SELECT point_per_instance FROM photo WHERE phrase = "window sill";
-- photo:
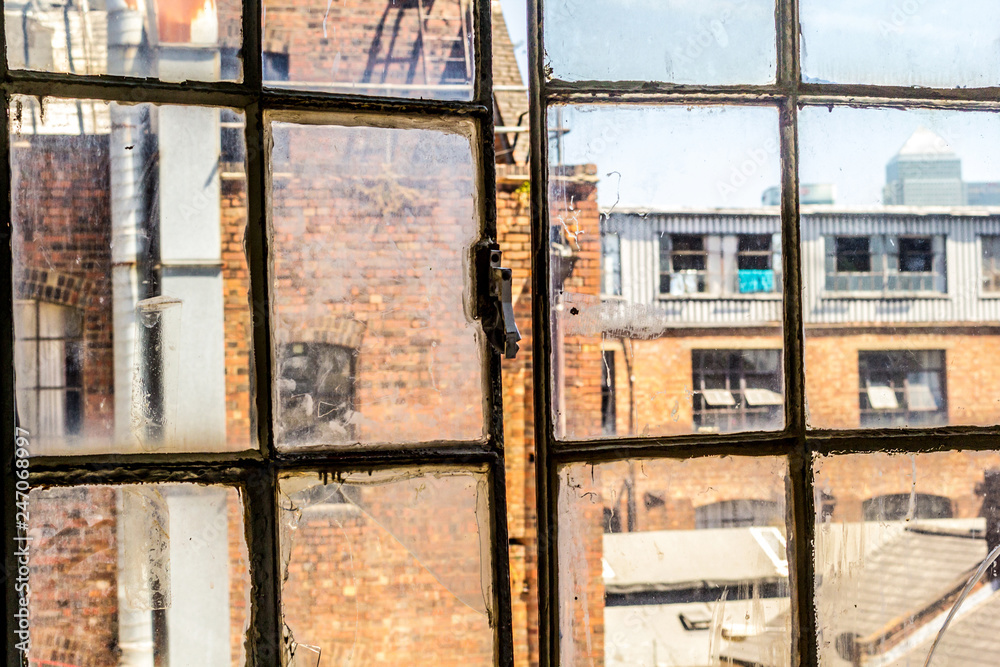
(886, 296)
(773, 296)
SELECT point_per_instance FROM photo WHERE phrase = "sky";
(679, 157)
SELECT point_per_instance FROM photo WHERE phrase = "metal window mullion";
(9, 600)
(546, 475)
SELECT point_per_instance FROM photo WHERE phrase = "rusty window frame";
(255, 473)
(795, 443)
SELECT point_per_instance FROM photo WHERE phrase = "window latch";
(496, 308)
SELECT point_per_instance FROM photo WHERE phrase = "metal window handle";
(498, 313)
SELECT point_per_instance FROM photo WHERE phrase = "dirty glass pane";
(674, 564)
(711, 42)
(897, 539)
(936, 43)
(418, 48)
(665, 248)
(170, 40)
(137, 575)
(372, 233)
(389, 568)
(132, 317)
(900, 267)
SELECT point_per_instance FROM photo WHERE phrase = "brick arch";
(54, 287)
(333, 330)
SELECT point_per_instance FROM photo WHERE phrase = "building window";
(719, 264)
(316, 389)
(853, 254)
(902, 388)
(608, 408)
(754, 264)
(905, 506)
(886, 263)
(739, 513)
(49, 366)
(737, 390)
(683, 264)
(991, 263)
(611, 266)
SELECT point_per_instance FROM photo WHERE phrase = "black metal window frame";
(796, 442)
(255, 473)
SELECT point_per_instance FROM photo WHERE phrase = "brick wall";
(62, 227)
(832, 371)
(74, 592)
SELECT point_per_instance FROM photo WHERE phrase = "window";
(853, 254)
(740, 513)
(736, 390)
(878, 334)
(720, 265)
(611, 267)
(256, 329)
(991, 263)
(884, 263)
(608, 407)
(902, 388)
(316, 389)
(906, 506)
(684, 261)
(49, 363)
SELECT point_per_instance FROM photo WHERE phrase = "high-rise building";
(925, 172)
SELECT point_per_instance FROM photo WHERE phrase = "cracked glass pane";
(936, 43)
(416, 48)
(131, 288)
(674, 564)
(170, 40)
(665, 256)
(387, 568)
(898, 539)
(372, 234)
(677, 41)
(138, 575)
(900, 267)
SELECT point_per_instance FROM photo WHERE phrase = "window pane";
(139, 575)
(710, 42)
(387, 568)
(692, 327)
(403, 49)
(171, 40)
(372, 236)
(899, 306)
(674, 563)
(935, 43)
(130, 278)
(898, 537)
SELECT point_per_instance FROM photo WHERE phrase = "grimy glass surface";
(387, 568)
(936, 43)
(155, 574)
(372, 233)
(131, 315)
(900, 304)
(170, 40)
(898, 537)
(677, 41)
(418, 48)
(673, 563)
(665, 255)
